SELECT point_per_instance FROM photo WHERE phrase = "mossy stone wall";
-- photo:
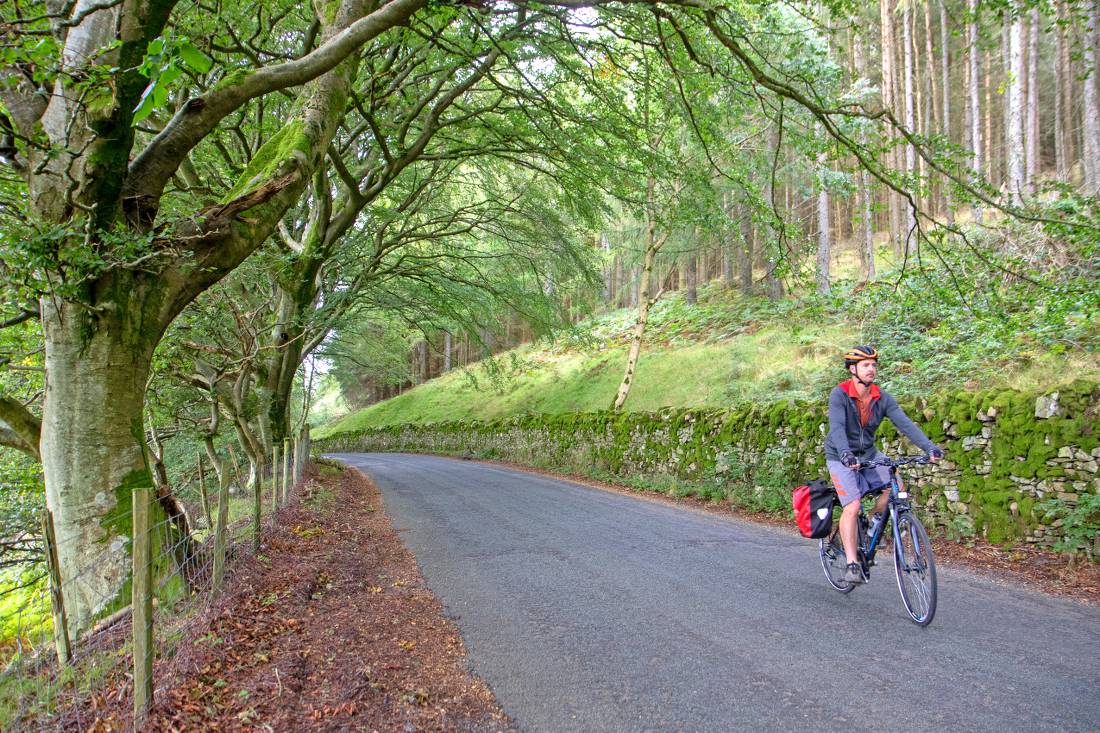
(1006, 451)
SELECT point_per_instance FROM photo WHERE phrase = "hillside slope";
(728, 348)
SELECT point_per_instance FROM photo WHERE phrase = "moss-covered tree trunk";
(294, 308)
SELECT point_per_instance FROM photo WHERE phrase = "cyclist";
(856, 409)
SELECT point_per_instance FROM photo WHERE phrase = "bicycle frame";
(897, 503)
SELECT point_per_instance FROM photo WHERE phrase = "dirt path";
(331, 629)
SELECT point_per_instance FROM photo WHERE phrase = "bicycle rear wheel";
(833, 561)
(915, 568)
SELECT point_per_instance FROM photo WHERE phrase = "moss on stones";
(1002, 458)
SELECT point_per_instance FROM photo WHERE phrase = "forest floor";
(329, 628)
(332, 628)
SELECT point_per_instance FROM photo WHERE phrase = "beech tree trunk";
(92, 445)
(100, 339)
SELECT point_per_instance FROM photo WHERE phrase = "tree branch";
(19, 428)
(23, 317)
(152, 169)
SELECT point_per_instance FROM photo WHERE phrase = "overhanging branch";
(152, 169)
(19, 428)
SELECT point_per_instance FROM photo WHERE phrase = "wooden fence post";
(142, 604)
(286, 471)
(257, 510)
(276, 461)
(297, 459)
(57, 600)
(219, 531)
(306, 446)
(203, 496)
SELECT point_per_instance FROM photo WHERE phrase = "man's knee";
(850, 510)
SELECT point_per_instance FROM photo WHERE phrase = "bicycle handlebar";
(896, 462)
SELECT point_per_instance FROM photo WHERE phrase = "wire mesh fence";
(82, 622)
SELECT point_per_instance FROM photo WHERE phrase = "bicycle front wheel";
(833, 561)
(916, 569)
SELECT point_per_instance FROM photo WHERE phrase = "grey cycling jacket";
(845, 432)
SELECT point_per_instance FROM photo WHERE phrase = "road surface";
(588, 610)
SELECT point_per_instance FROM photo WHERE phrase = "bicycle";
(913, 562)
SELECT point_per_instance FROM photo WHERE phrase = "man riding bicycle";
(856, 408)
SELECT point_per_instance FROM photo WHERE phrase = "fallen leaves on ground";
(306, 640)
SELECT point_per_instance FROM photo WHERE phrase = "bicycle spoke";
(834, 563)
(915, 570)
(922, 594)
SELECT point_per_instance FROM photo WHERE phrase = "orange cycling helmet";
(856, 354)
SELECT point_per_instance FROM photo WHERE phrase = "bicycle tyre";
(915, 568)
(833, 561)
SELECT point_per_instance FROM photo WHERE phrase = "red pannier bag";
(813, 508)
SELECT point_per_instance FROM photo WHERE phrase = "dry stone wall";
(1008, 454)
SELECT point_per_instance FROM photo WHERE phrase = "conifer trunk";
(975, 85)
(945, 88)
(1090, 104)
(824, 234)
(910, 122)
(1015, 182)
(1063, 95)
(1033, 163)
(889, 101)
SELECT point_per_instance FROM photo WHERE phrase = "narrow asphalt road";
(587, 610)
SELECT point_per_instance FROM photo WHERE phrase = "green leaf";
(167, 75)
(145, 105)
(193, 58)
